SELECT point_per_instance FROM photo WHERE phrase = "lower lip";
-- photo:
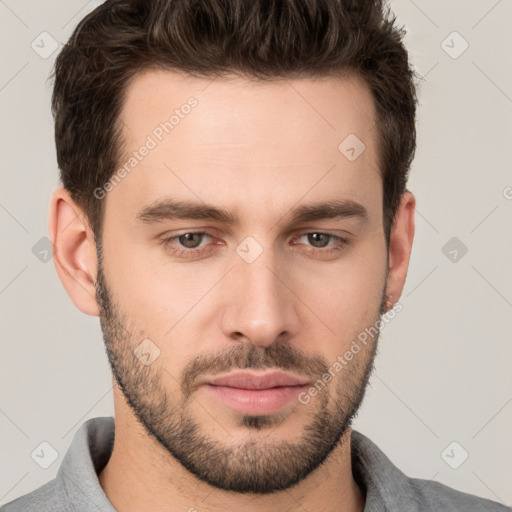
(256, 401)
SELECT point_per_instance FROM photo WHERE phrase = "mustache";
(280, 356)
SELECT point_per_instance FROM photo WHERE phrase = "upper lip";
(250, 380)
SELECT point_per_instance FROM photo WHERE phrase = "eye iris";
(190, 240)
(318, 239)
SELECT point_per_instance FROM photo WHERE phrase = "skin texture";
(258, 149)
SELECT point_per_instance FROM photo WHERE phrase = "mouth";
(252, 393)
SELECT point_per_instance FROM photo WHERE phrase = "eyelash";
(166, 242)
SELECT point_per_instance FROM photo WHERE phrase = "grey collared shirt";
(76, 487)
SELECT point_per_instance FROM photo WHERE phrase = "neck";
(141, 475)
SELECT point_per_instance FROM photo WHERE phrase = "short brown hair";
(261, 39)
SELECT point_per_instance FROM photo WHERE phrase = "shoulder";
(388, 488)
(76, 485)
(49, 497)
(440, 497)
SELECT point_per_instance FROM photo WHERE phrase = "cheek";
(165, 305)
(346, 294)
(148, 288)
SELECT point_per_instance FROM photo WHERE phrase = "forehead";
(267, 141)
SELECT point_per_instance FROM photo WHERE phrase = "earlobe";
(74, 251)
(400, 245)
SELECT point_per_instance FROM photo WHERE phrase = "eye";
(194, 244)
(321, 240)
(187, 244)
(318, 239)
(191, 240)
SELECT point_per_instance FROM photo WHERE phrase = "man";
(234, 209)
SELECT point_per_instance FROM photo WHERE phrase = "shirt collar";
(385, 486)
(86, 457)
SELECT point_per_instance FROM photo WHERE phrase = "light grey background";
(443, 369)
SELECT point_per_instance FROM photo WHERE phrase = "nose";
(258, 302)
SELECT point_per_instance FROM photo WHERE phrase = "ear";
(74, 251)
(400, 247)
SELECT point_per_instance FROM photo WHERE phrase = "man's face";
(265, 290)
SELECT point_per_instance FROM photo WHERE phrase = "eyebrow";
(169, 209)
